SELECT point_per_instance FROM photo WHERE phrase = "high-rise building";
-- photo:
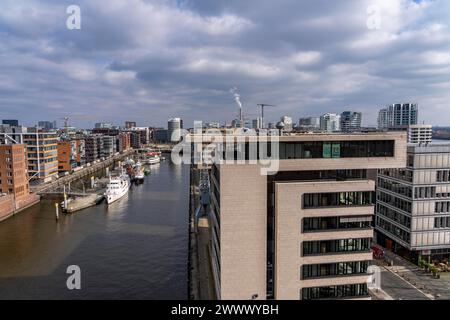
(130, 124)
(42, 154)
(12, 123)
(174, 127)
(257, 123)
(47, 125)
(288, 123)
(330, 122)
(350, 121)
(304, 232)
(384, 119)
(309, 123)
(413, 204)
(105, 125)
(398, 115)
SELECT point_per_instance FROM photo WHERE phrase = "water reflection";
(133, 248)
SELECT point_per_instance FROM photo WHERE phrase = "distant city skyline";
(149, 61)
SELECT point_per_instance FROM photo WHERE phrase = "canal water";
(135, 248)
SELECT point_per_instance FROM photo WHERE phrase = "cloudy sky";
(148, 60)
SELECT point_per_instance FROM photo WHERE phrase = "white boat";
(153, 157)
(117, 187)
(139, 174)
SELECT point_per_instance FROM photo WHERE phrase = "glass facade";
(336, 149)
(336, 223)
(337, 199)
(335, 292)
(310, 271)
(335, 246)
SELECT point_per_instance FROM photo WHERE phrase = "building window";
(334, 269)
(335, 292)
(335, 246)
(443, 175)
(337, 199)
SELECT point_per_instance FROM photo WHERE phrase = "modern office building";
(104, 125)
(288, 123)
(174, 127)
(330, 122)
(413, 204)
(42, 154)
(304, 232)
(47, 125)
(160, 135)
(130, 124)
(309, 123)
(384, 120)
(351, 121)
(420, 133)
(12, 123)
(398, 115)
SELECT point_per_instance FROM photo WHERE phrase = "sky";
(150, 60)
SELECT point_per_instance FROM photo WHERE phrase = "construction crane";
(262, 105)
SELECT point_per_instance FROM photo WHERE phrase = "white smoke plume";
(237, 96)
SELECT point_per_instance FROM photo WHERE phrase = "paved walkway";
(405, 280)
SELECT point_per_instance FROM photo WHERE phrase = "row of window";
(335, 292)
(393, 229)
(401, 174)
(394, 215)
(424, 192)
(334, 269)
(335, 246)
(395, 187)
(442, 222)
(336, 149)
(336, 223)
(336, 199)
(394, 201)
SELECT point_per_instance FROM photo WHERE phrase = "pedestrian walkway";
(419, 279)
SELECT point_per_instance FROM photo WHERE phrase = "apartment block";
(109, 146)
(91, 148)
(14, 187)
(304, 232)
(123, 142)
(41, 148)
(413, 204)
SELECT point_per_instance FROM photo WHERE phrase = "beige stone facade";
(240, 220)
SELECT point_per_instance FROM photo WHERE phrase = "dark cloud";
(151, 60)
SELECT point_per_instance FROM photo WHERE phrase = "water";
(136, 248)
